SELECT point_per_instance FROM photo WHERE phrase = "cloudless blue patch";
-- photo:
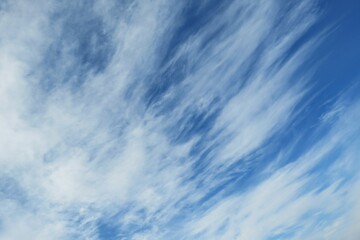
(11, 190)
(84, 47)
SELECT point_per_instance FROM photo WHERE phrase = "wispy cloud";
(300, 200)
(145, 120)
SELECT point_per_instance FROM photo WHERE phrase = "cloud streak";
(154, 120)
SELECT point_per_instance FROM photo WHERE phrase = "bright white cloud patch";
(173, 120)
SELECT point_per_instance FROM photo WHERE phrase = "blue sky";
(179, 120)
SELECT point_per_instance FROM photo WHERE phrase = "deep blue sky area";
(179, 120)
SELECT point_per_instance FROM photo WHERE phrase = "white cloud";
(291, 198)
(82, 152)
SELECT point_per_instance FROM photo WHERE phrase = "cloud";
(290, 203)
(130, 120)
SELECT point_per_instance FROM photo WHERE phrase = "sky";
(179, 120)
